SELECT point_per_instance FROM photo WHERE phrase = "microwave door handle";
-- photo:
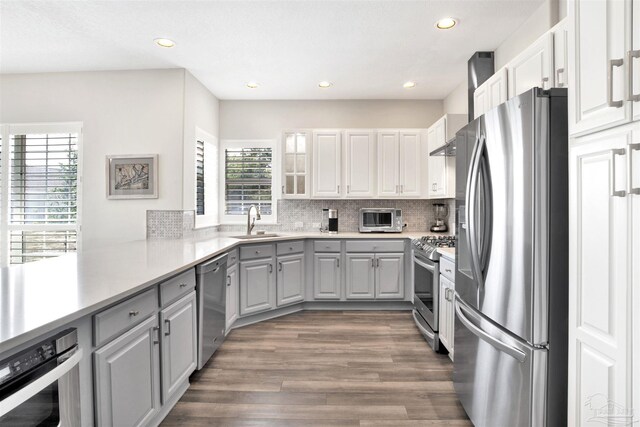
(27, 392)
(424, 265)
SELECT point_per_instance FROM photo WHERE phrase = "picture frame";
(132, 176)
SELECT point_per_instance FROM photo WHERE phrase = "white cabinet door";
(179, 344)
(437, 165)
(296, 183)
(389, 276)
(443, 313)
(480, 100)
(533, 67)
(633, 58)
(634, 185)
(360, 147)
(327, 280)
(290, 279)
(127, 377)
(410, 161)
(598, 44)
(561, 53)
(497, 89)
(388, 164)
(360, 276)
(256, 286)
(327, 163)
(599, 284)
(232, 295)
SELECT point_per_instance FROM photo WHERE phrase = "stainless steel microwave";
(380, 220)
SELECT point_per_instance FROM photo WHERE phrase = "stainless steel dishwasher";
(211, 288)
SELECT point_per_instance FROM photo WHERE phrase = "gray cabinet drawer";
(256, 251)
(290, 247)
(233, 257)
(447, 268)
(326, 246)
(177, 286)
(375, 246)
(112, 321)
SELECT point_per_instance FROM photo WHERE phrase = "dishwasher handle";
(212, 265)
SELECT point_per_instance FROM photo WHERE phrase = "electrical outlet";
(299, 225)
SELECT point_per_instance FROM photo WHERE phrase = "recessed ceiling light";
(165, 42)
(324, 84)
(252, 85)
(409, 85)
(446, 23)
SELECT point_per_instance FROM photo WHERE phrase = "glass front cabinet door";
(295, 176)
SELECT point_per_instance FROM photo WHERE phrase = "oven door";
(426, 275)
(50, 398)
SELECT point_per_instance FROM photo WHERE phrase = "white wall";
(267, 119)
(124, 112)
(457, 101)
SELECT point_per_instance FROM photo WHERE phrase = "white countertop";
(448, 253)
(38, 297)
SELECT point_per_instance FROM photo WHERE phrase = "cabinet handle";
(348, 188)
(228, 280)
(183, 285)
(290, 248)
(280, 266)
(612, 179)
(397, 189)
(134, 313)
(448, 270)
(257, 252)
(283, 190)
(632, 54)
(632, 189)
(338, 188)
(402, 188)
(156, 335)
(558, 80)
(373, 263)
(610, 101)
(270, 268)
(544, 81)
(338, 262)
(168, 323)
(377, 262)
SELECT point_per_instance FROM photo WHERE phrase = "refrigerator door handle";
(472, 184)
(517, 354)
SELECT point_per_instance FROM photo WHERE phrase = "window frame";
(211, 175)
(6, 130)
(275, 179)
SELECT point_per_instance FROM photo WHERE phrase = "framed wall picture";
(132, 176)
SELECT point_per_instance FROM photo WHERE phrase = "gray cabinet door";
(256, 286)
(179, 344)
(232, 295)
(327, 280)
(127, 377)
(290, 279)
(389, 276)
(360, 276)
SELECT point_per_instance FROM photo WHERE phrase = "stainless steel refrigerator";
(511, 302)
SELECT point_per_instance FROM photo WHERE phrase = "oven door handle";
(430, 334)
(25, 393)
(431, 268)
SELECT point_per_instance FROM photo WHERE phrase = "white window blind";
(200, 199)
(43, 205)
(248, 180)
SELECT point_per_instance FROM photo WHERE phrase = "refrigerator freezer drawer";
(500, 380)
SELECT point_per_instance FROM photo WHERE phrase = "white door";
(532, 68)
(389, 276)
(633, 58)
(634, 186)
(388, 164)
(599, 283)
(327, 163)
(360, 147)
(232, 295)
(410, 161)
(497, 89)
(561, 53)
(296, 164)
(598, 44)
(444, 313)
(480, 100)
(437, 165)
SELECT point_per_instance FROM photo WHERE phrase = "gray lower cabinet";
(232, 295)
(257, 291)
(178, 343)
(127, 377)
(327, 280)
(290, 279)
(360, 276)
(389, 276)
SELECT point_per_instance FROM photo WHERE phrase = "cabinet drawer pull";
(156, 335)
(632, 54)
(290, 248)
(257, 252)
(558, 80)
(228, 280)
(168, 323)
(338, 262)
(373, 263)
(544, 81)
(632, 189)
(448, 270)
(610, 101)
(134, 313)
(612, 179)
(270, 268)
(280, 266)
(183, 285)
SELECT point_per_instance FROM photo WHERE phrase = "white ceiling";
(368, 49)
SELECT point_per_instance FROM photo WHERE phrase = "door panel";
(327, 281)
(389, 277)
(410, 161)
(232, 295)
(533, 67)
(497, 89)
(290, 280)
(256, 293)
(360, 276)
(388, 164)
(361, 161)
(327, 164)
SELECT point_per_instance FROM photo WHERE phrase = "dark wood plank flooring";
(323, 368)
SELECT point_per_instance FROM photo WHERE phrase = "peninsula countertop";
(38, 297)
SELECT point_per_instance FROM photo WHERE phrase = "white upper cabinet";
(533, 67)
(360, 147)
(480, 100)
(491, 93)
(327, 163)
(599, 43)
(441, 169)
(388, 164)
(296, 164)
(633, 58)
(561, 53)
(410, 162)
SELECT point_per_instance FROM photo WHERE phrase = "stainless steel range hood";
(448, 149)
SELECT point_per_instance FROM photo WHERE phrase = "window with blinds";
(200, 178)
(43, 208)
(248, 180)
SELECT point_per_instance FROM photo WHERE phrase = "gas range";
(428, 245)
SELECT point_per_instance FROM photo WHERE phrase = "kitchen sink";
(255, 236)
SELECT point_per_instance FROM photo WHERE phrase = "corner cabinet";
(296, 164)
(327, 163)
